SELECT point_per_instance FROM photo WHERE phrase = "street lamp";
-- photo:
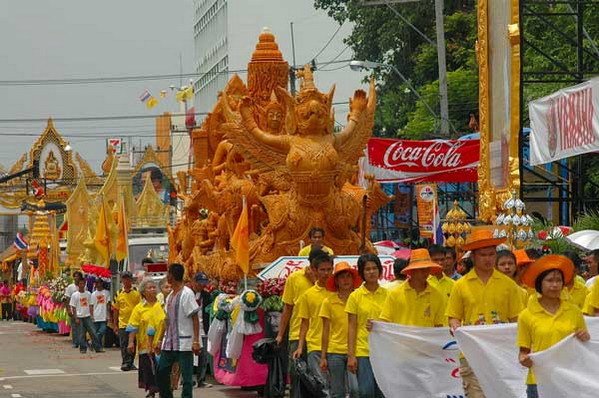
(358, 66)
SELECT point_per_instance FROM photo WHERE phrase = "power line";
(329, 41)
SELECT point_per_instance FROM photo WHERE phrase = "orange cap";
(481, 237)
(343, 266)
(419, 259)
(522, 258)
(548, 262)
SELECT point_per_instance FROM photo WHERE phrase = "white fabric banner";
(415, 362)
(565, 123)
(423, 362)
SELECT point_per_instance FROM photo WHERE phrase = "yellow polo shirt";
(333, 309)
(365, 305)
(125, 302)
(295, 285)
(538, 329)
(305, 251)
(309, 308)
(444, 285)
(148, 322)
(577, 294)
(405, 306)
(476, 303)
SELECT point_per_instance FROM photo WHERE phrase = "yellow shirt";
(538, 329)
(295, 285)
(475, 303)
(305, 251)
(146, 318)
(333, 309)
(407, 307)
(365, 305)
(309, 308)
(125, 302)
(577, 294)
(444, 285)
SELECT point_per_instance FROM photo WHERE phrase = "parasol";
(587, 239)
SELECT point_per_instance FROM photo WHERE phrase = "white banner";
(565, 123)
(415, 362)
(423, 362)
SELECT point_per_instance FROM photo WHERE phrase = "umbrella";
(587, 239)
(402, 253)
(385, 247)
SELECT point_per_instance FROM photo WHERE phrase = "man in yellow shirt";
(295, 285)
(308, 311)
(482, 296)
(316, 236)
(438, 278)
(416, 302)
(127, 298)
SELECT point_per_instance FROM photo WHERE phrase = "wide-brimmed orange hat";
(419, 259)
(522, 258)
(343, 266)
(480, 238)
(548, 262)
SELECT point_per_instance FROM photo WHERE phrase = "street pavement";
(35, 364)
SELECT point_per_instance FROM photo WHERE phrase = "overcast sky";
(79, 39)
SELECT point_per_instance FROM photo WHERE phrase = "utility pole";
(444, 104)
(292, 68)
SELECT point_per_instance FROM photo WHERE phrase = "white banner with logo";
(565, 123)
(423, 362)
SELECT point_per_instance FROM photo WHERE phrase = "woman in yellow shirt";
(547, 319)
(333, 357)
(364, 305)
(512, 264)
(146, 321)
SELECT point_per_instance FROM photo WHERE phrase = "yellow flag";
(102, 237)
(151, 102)
(184, 95)
(121, 243)
(240, 241)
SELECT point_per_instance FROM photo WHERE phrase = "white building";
(226, 32)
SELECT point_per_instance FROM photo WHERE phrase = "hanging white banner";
(415, 362)
(565, 123)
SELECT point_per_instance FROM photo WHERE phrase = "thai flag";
(20, 243)
(145, 96)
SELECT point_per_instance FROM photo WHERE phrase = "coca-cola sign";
(423, 161)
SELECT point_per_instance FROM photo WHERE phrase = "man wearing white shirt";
(99, 300)
(81, 306)
(592, 262)
(181, 337)
(68, 292)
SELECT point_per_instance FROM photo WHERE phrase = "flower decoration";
(271, 287)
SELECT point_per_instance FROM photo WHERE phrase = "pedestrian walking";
(68, 292)
(126, 299)
(81, 306)
(548, 318)
(363, 306)
(99, 300)
(145, 324)
(6, 300)
(181, 338)
(483, 296)
(204, 300)
(333, 358)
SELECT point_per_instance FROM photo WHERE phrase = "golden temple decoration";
(151, 157)
(279, 152)
(107, 164)
(51, 167)
(151, 212)
(87, 172)
(455, 228)
(491, 196)
(78, 209)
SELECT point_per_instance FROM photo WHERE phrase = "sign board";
(426, 201)
(118, 144)
(284, 266)
(565, 123)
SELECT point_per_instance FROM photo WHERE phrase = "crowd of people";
(329, 311)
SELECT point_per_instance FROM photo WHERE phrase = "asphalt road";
(35, 364)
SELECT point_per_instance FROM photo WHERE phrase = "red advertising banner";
(423, 161)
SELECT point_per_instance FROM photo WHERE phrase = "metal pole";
(292, 68)
(443, 102)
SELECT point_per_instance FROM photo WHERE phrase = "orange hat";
(522, 258)
(420, 259)
(548, 262)
(480, 238)
(343, 266)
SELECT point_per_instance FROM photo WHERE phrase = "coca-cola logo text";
(437, 154)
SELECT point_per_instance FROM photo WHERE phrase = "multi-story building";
(226, 32)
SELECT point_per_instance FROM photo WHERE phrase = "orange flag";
(240, 241)
(102, 236)
(121, 242)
